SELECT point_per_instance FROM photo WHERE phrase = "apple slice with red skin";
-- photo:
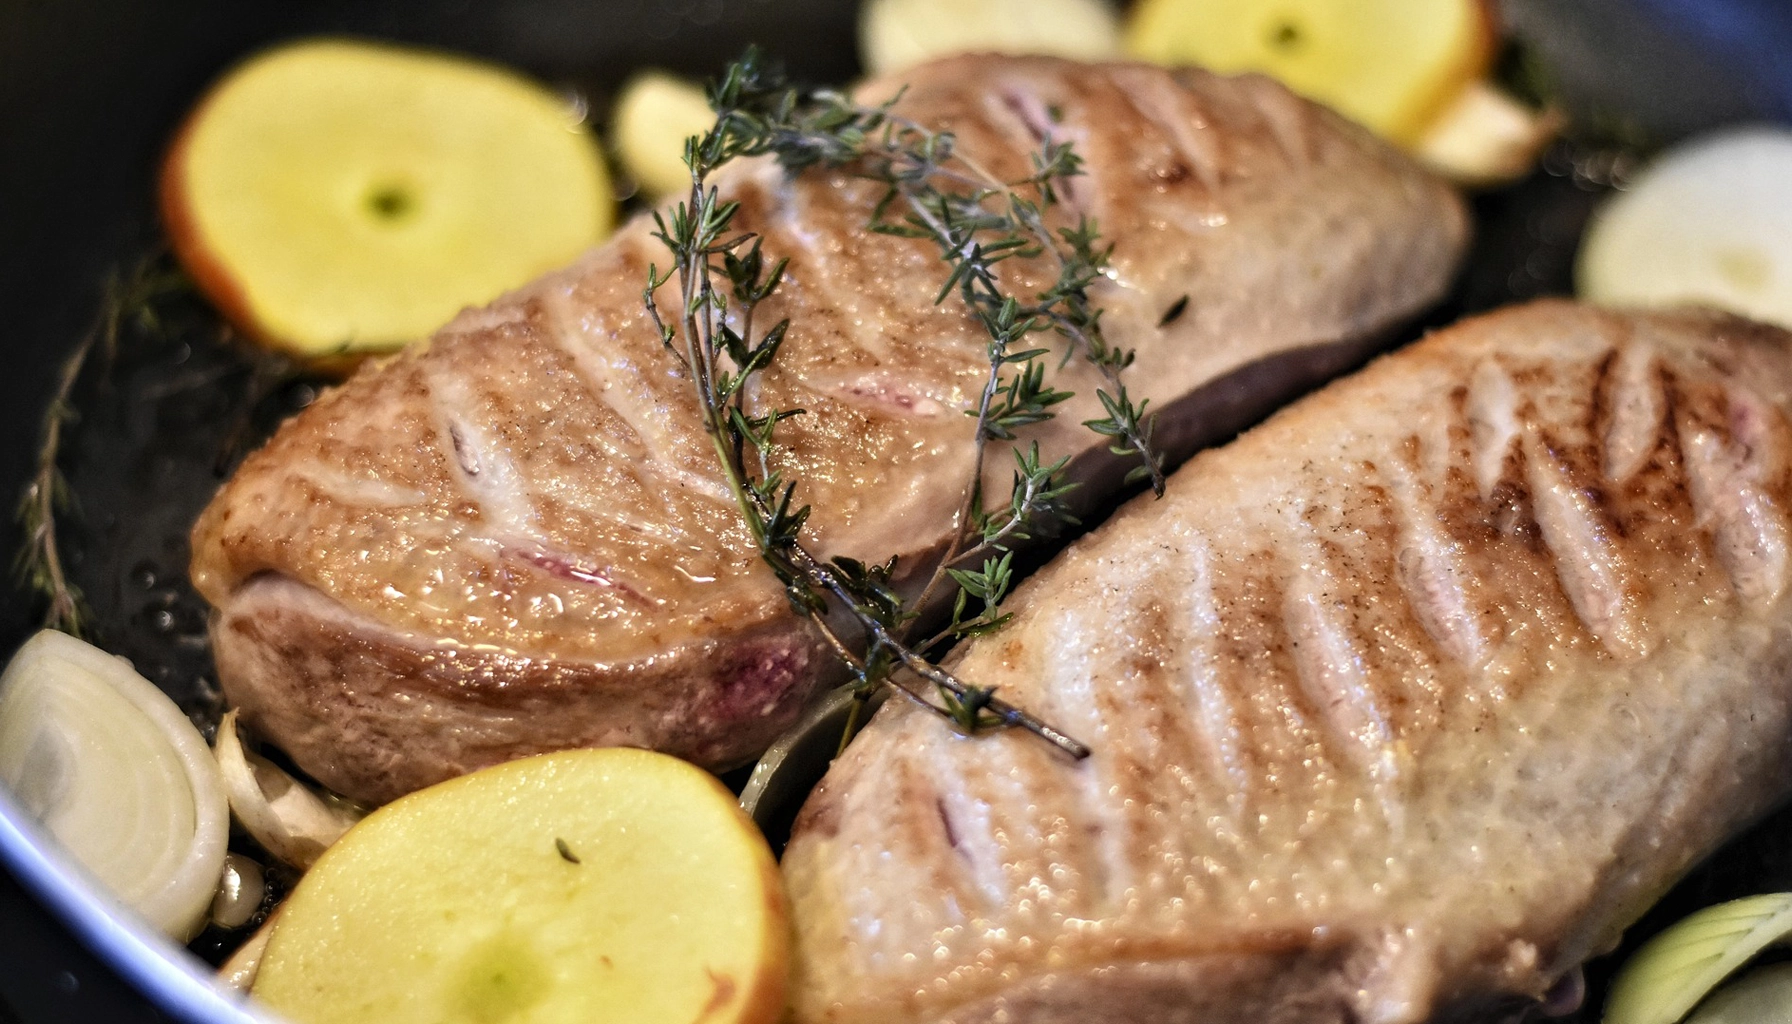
(335, 197)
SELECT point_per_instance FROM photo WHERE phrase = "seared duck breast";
(1407, 701)
(512, 538)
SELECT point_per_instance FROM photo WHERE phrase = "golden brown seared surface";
(1415, 695)
(512, 539)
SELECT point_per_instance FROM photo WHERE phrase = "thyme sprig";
(40, 564)
(977, 222)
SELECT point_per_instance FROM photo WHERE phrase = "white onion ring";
(292, 823)
(113, 769)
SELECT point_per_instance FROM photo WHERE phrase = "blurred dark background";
(90, 91)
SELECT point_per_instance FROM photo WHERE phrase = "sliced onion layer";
(291, 822)
(238, 973)
(1763, 996)
(1674, 970)
(113, 769)
(1710, 221)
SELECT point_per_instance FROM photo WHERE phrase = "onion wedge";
(1763, 996)
(238, 973)
(1710, 221)
(1674, 970)
(113, 769)
(291, 822)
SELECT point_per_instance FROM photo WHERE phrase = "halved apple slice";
(588, 885)
(1392, 65)
(334, 196)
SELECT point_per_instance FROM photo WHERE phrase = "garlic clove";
(1484, 137)
(240, 893)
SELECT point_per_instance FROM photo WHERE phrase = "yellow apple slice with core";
(655, 114)
(335, 196)
(1392, 65)
(612, 885)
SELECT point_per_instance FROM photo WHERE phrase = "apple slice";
(1709, 221)
(655, 113)
(1392, 65)
(587, 885)
(336, 197)
(897, 34)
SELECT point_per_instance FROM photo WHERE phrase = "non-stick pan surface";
(91, 89)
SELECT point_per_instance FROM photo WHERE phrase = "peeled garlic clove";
(1675, 970)
(1762, 996)
(291, 822)
(112, 768)
(1484, 137)
(240, 892)
(797, 760)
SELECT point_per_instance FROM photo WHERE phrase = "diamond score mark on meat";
(511, 538)
(1403, 705)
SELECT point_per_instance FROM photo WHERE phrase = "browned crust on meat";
(367, 693)
(1295, 986)
(1451, 668)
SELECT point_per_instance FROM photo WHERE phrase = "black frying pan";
(90, 91)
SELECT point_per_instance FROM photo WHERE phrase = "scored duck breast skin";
(1407, 701)
(513, 538)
